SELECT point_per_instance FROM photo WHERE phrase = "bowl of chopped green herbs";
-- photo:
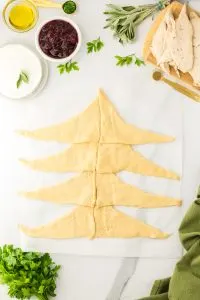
(69, 7)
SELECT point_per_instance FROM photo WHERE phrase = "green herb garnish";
(123, 20)
(23, 77)
(27, 274)
(128, 60)
(95, 45)
(68, 67)
(69, 7)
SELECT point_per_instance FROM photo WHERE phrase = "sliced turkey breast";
(181, 43)
(160, 44)
(195, 72)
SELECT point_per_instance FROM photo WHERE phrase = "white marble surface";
(85, 278)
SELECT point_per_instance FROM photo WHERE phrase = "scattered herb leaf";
(23, 77)
(128, 60)
(124, 20)
(68, 67)
(61, 68)
(138, 62)
(95, 45)
(19, 81)
(27, 274)
(69, 7)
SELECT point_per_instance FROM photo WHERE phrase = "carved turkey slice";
(181, 43)
(195, 72)
(160, 44)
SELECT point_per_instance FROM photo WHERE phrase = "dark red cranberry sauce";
(58, 39)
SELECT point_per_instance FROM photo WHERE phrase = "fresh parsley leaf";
(71, 66)
(95, 45)
(61, 68)
(139, 62)
(75, 66)
(19, 81)
(128, 60)
(23, 77)
(121, 61)
(27, 274)
(90, 47)
(68, 67)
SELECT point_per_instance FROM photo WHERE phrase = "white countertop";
(86, 278)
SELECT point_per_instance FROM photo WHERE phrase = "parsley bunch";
(27, 274)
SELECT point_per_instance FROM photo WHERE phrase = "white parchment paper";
(137, 98)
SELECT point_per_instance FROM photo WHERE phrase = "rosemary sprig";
(128, 60)
(23, 77)
(68, 67)
(123, 20)
(95, 45)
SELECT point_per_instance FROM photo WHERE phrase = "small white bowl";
(58, 60)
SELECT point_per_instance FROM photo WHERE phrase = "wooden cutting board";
(148, 57)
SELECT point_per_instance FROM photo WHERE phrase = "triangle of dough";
(100, 118)
(78, 158)
(115, 130)
(110, 190)
(75, 130)
(67, 191)
(114, 224)
(79, 223)
(114, 158)
(99, 222)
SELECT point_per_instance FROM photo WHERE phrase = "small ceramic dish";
(15, 58)
(8, 8)
(58, 39)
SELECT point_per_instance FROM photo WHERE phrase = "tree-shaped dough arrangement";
(101, 147)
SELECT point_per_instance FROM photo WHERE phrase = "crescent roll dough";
(101, 147)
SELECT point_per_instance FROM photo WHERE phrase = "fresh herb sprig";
(128, 60)
(124, 20)
(27, 274)
(95, 45)
(68, 67)
(23, 77)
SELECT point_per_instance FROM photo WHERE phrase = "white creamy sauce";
(14, 59)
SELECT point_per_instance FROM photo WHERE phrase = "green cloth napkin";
(185, 281)
(160, 290)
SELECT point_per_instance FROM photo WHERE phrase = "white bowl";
(13, 59)
(58, 60)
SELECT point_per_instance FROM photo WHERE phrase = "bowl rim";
(9, 25)
(61, 60)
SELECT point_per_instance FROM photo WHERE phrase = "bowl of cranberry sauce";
(58, 40)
